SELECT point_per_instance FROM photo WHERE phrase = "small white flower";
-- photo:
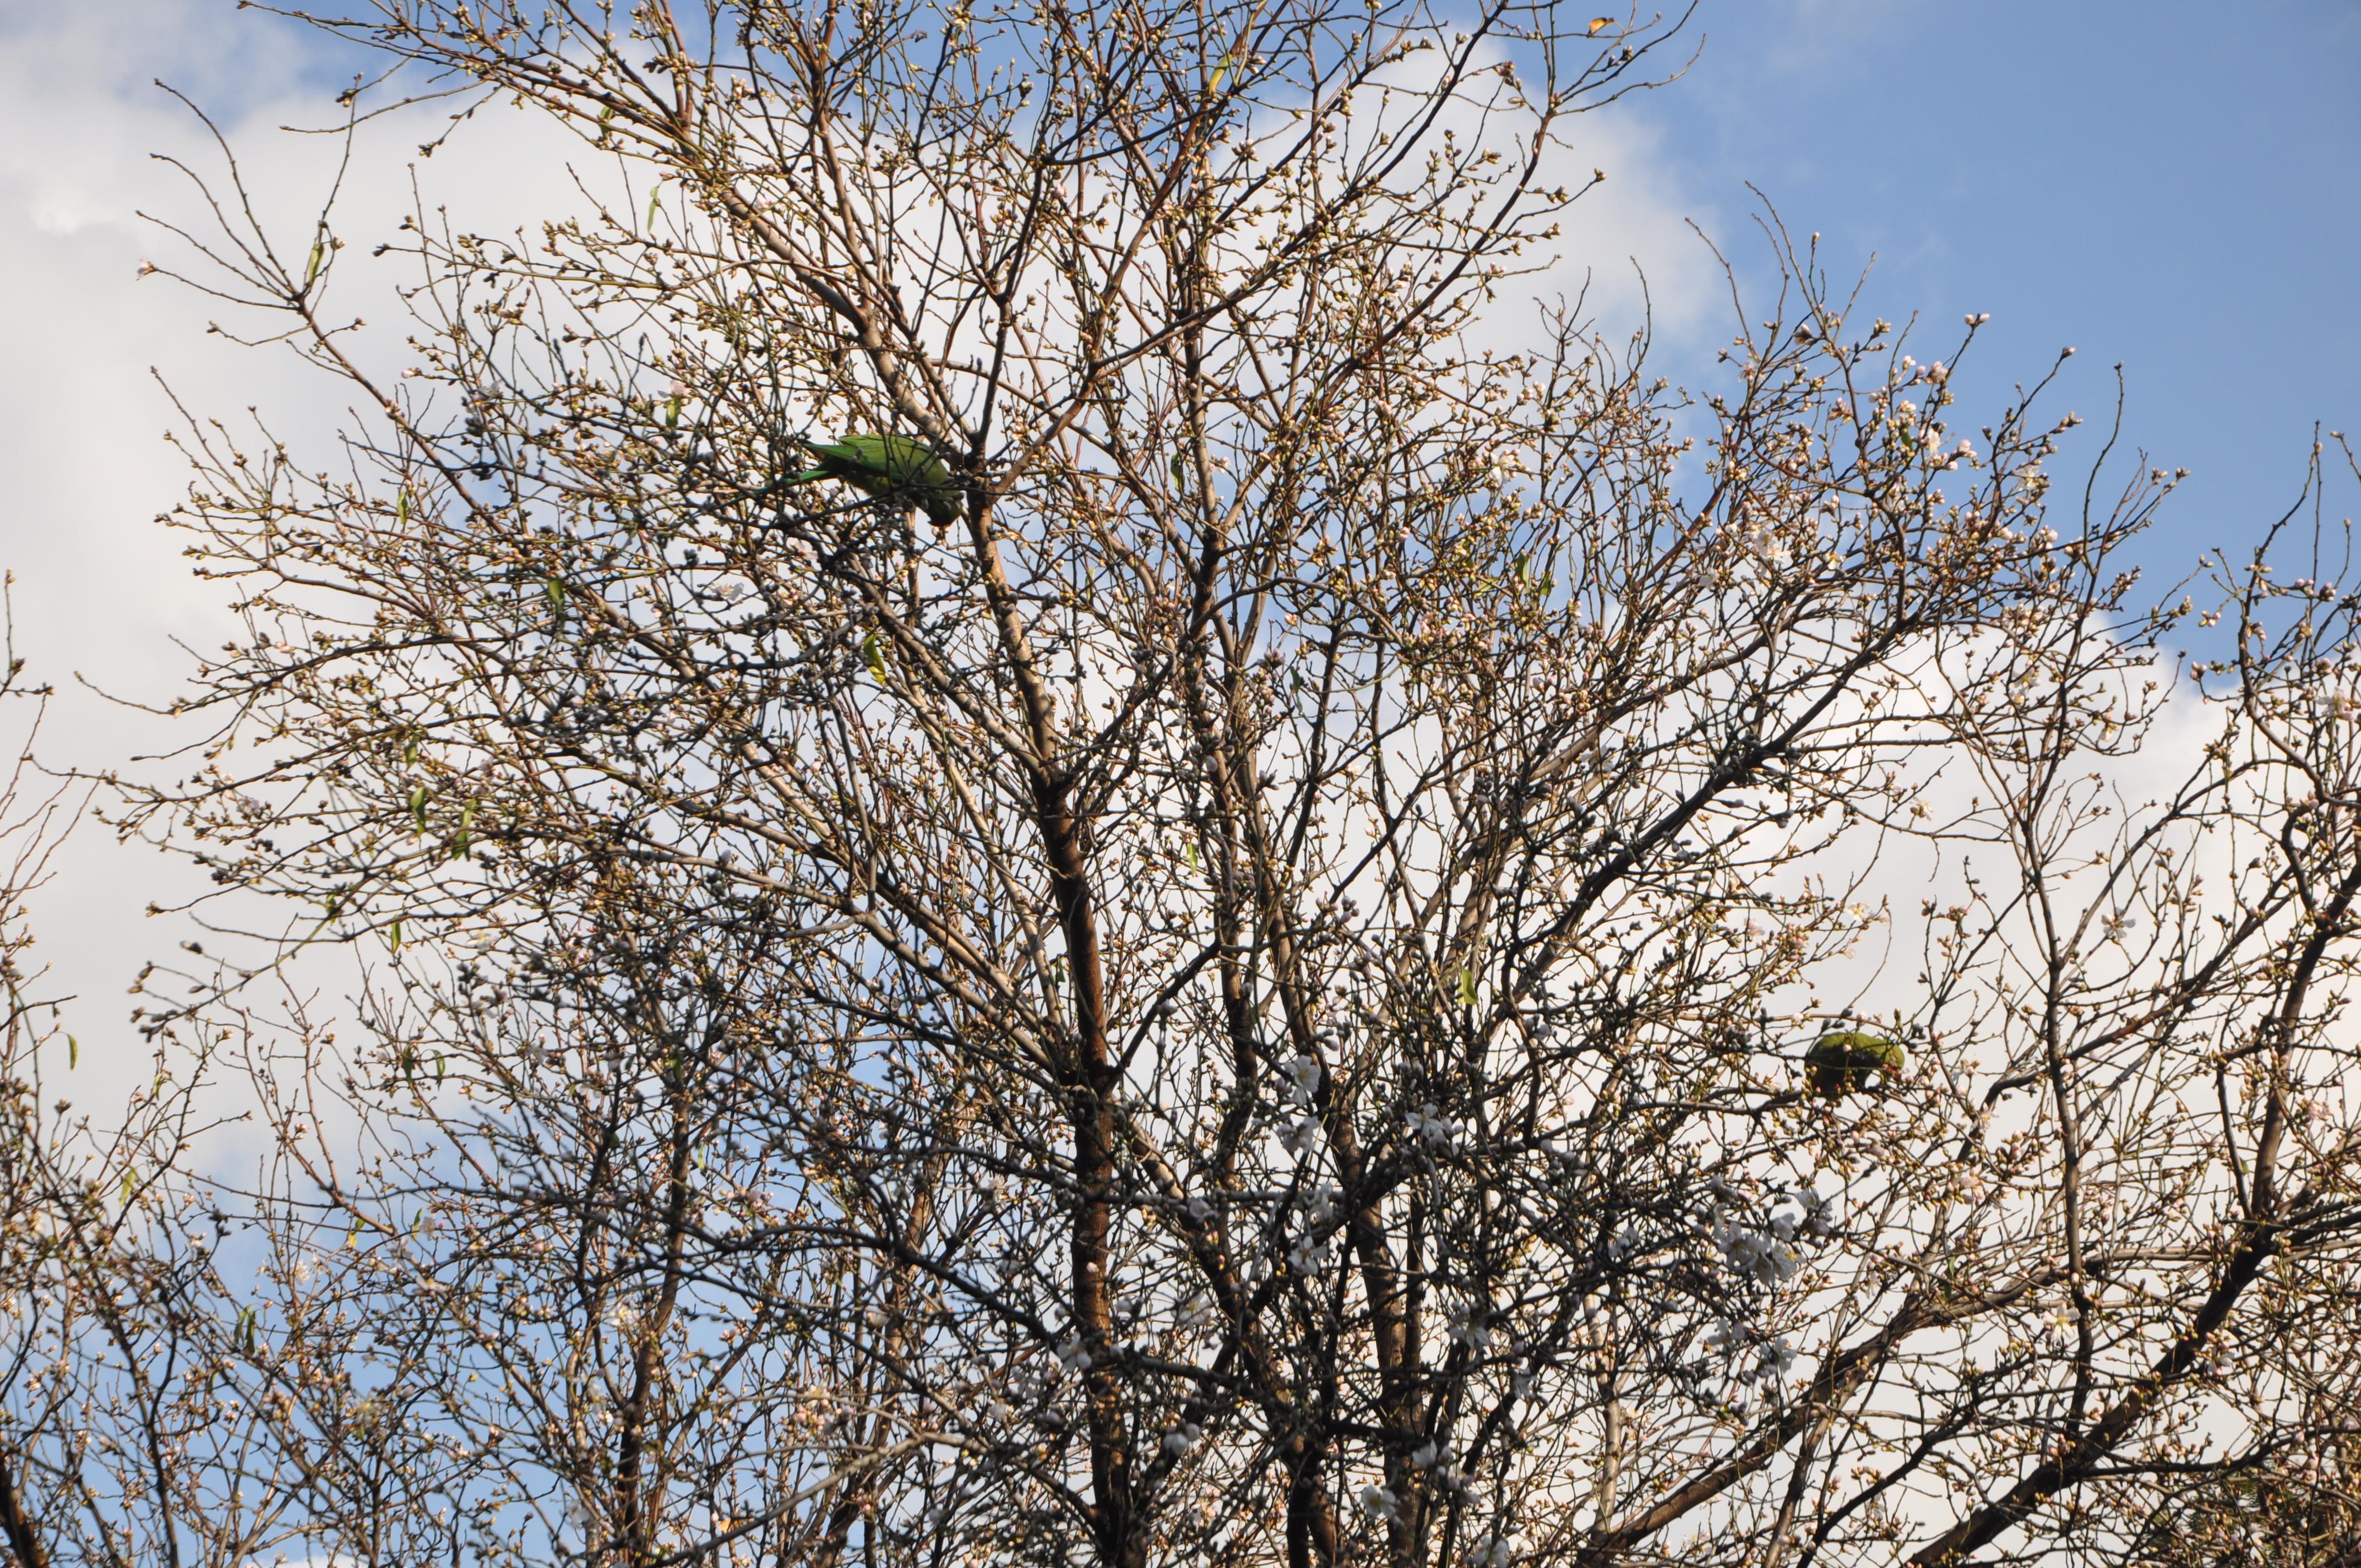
(1300, 1137)
(1073, 1357)
(1181, 1438)
(1377, 1503)
(1307, 1257)
(1467, 1328)
(1196, 1311)
(1498, 1553)
(1428, 1126)
(575, 1527)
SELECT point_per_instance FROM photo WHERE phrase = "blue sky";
(2169, 185)
(2166, 184)
(2173, 186)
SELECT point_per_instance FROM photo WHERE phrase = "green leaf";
(402, 507)
(393, 938)
(73, 1053)
(655, 192)
(555, 592)
(1179, 472)
(130, 1186)
(312, 272)
(418, 808)
(1189, 848)
(1467, 986)
(872, 654)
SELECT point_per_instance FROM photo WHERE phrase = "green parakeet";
(1846, 1059)
(891, 467)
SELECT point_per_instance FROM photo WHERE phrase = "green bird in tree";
(891, 468)
(1846, 1059)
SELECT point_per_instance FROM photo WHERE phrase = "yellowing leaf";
(1600, 23)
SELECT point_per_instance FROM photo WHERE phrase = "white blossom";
(1467, 1328)
(1310, 1258)
(1429, 1126)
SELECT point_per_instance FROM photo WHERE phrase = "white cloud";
(105, 600)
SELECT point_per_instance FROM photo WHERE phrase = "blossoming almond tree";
(1203, 951)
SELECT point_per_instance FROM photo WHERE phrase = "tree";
(1241, 995)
